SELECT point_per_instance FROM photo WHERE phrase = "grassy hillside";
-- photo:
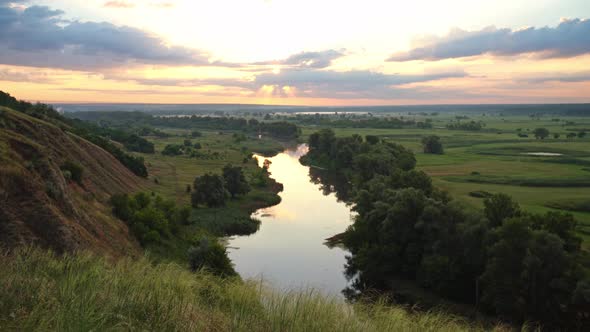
(82, 292)
(54, 188)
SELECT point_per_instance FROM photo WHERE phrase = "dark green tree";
(504, 289)
(210, 190)
(541, 133)
(235, 181)
(500, 207)
(371, 139)
(432, 144)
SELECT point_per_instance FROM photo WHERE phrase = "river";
(288, 252)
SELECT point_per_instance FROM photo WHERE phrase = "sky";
(304, 52)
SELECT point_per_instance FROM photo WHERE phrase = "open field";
(174, 173)
(495, 160)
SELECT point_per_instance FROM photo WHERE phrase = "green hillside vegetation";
(81, 292)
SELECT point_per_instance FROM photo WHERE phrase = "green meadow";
(172, 177)
(495, 159)
(171, 174)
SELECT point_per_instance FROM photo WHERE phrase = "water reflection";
(288, 251)
(331, 183)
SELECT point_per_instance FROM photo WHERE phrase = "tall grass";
(42, 292)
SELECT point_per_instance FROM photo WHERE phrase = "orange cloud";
(119, 4)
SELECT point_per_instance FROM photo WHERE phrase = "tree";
(556, 135)
(372, 139)
(541, 133)
(528, 274)
(188, 142)
(196, 134)
(235, 180)
(173, 150)
(503, 286)
(432, 144)
(500, 207)
(209, 189)
(571, 135)
(582, 134)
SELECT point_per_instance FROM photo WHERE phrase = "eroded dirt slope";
(40, 205)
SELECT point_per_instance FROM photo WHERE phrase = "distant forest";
(278, 129)
(200, 109)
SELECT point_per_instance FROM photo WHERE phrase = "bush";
(173, 150)
(480, 194)
(210, 255)
(150, 217)
(75, 171)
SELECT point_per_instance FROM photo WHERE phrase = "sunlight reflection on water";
(288, 251)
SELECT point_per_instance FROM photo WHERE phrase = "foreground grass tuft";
(42, 292)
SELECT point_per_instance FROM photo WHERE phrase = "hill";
(55, 186)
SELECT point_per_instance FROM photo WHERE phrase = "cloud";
(583, 76)
(308, 82)
(162, 5)
(570, 38)
(39, 37)
(9, 75)
(348, 84)
(119, 4)
(321, 59)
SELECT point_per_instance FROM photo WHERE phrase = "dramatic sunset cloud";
(296, 52)
(570, 38)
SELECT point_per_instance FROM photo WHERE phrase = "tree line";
(372, 122)
(505, 261)
(278, 129)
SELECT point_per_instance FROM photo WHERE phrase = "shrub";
(75, 170)
(210, 255)
(173, 150)
(480, 194)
